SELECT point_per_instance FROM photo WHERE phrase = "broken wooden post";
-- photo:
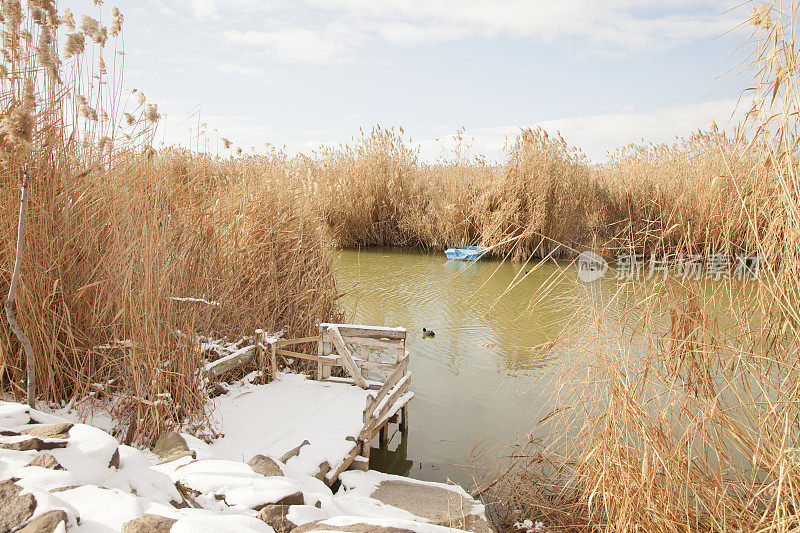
(259, 354)
(273, 358)
(345, 357)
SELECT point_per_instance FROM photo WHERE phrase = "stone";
(54, 431)
(33, 443)
(265, 466)
(292, 499)
(45, 460)
(275, 516)
(114, 461)
(439, 505)
(324, 468)
(62, 489)
(171, 446)
(148, 523)
(216, 389)
(15, 509)
(351, 528)
(46, 523)
(293, 452)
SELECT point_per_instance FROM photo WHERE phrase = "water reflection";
(477, 379)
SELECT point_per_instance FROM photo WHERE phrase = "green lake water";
(477, 384)
(480, 383)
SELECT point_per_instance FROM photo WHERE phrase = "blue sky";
(310, 72)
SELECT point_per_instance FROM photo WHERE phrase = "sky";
(304, 73)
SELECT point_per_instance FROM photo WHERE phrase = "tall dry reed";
(679, 408)
(115, 231)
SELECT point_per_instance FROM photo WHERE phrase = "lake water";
(478, 385)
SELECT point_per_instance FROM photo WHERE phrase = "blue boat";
(466, 253)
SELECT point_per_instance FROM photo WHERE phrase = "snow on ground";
(273, 419)
(101, 484)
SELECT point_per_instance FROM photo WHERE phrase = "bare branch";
(30, 361)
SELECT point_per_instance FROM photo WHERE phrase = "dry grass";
(114, 231)
(681, 409)
(545, 200)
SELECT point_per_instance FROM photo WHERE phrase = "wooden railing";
(332, 351)
(334, 344)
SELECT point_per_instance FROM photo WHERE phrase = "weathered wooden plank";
(345, 358)
(288, 342)
(388, 385)
(370, 332)
(373, 343)
(399, 405)
(371, 385)
(376, 365)
(229, 362)
(388, 406)
(327, 360)
(332, 476)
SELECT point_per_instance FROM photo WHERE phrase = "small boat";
(466, 253)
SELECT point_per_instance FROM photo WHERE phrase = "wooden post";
(273, 359)
(320, 365)
(259, 355)
(404, 419)
(382, 438)
(365, 357)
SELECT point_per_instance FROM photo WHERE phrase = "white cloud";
(203, 8)
(297, 45)
(608, 23)
(240, 70)
(598, 134)
(320, 31)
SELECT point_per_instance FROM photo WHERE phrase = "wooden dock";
(350, 354)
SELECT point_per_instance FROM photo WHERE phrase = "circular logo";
(591, 266)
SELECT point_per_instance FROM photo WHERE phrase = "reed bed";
(679, 407)
(116, 231)
(545, 200)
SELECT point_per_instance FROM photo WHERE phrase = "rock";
(275, 516)
(54, 431)
(148, 523)
(265, 466)
(362, 527)
(292, 499)
(216, 389)
(439, 505)
(46, 523)
(45, 460)
(15, 509)
(33, 443)
(8, 433)
(478, 524)
(62, 489)
(293, 452)
(171, 446)
(114, 462)
(324, 468)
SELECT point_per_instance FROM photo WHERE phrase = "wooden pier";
(348, 354)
